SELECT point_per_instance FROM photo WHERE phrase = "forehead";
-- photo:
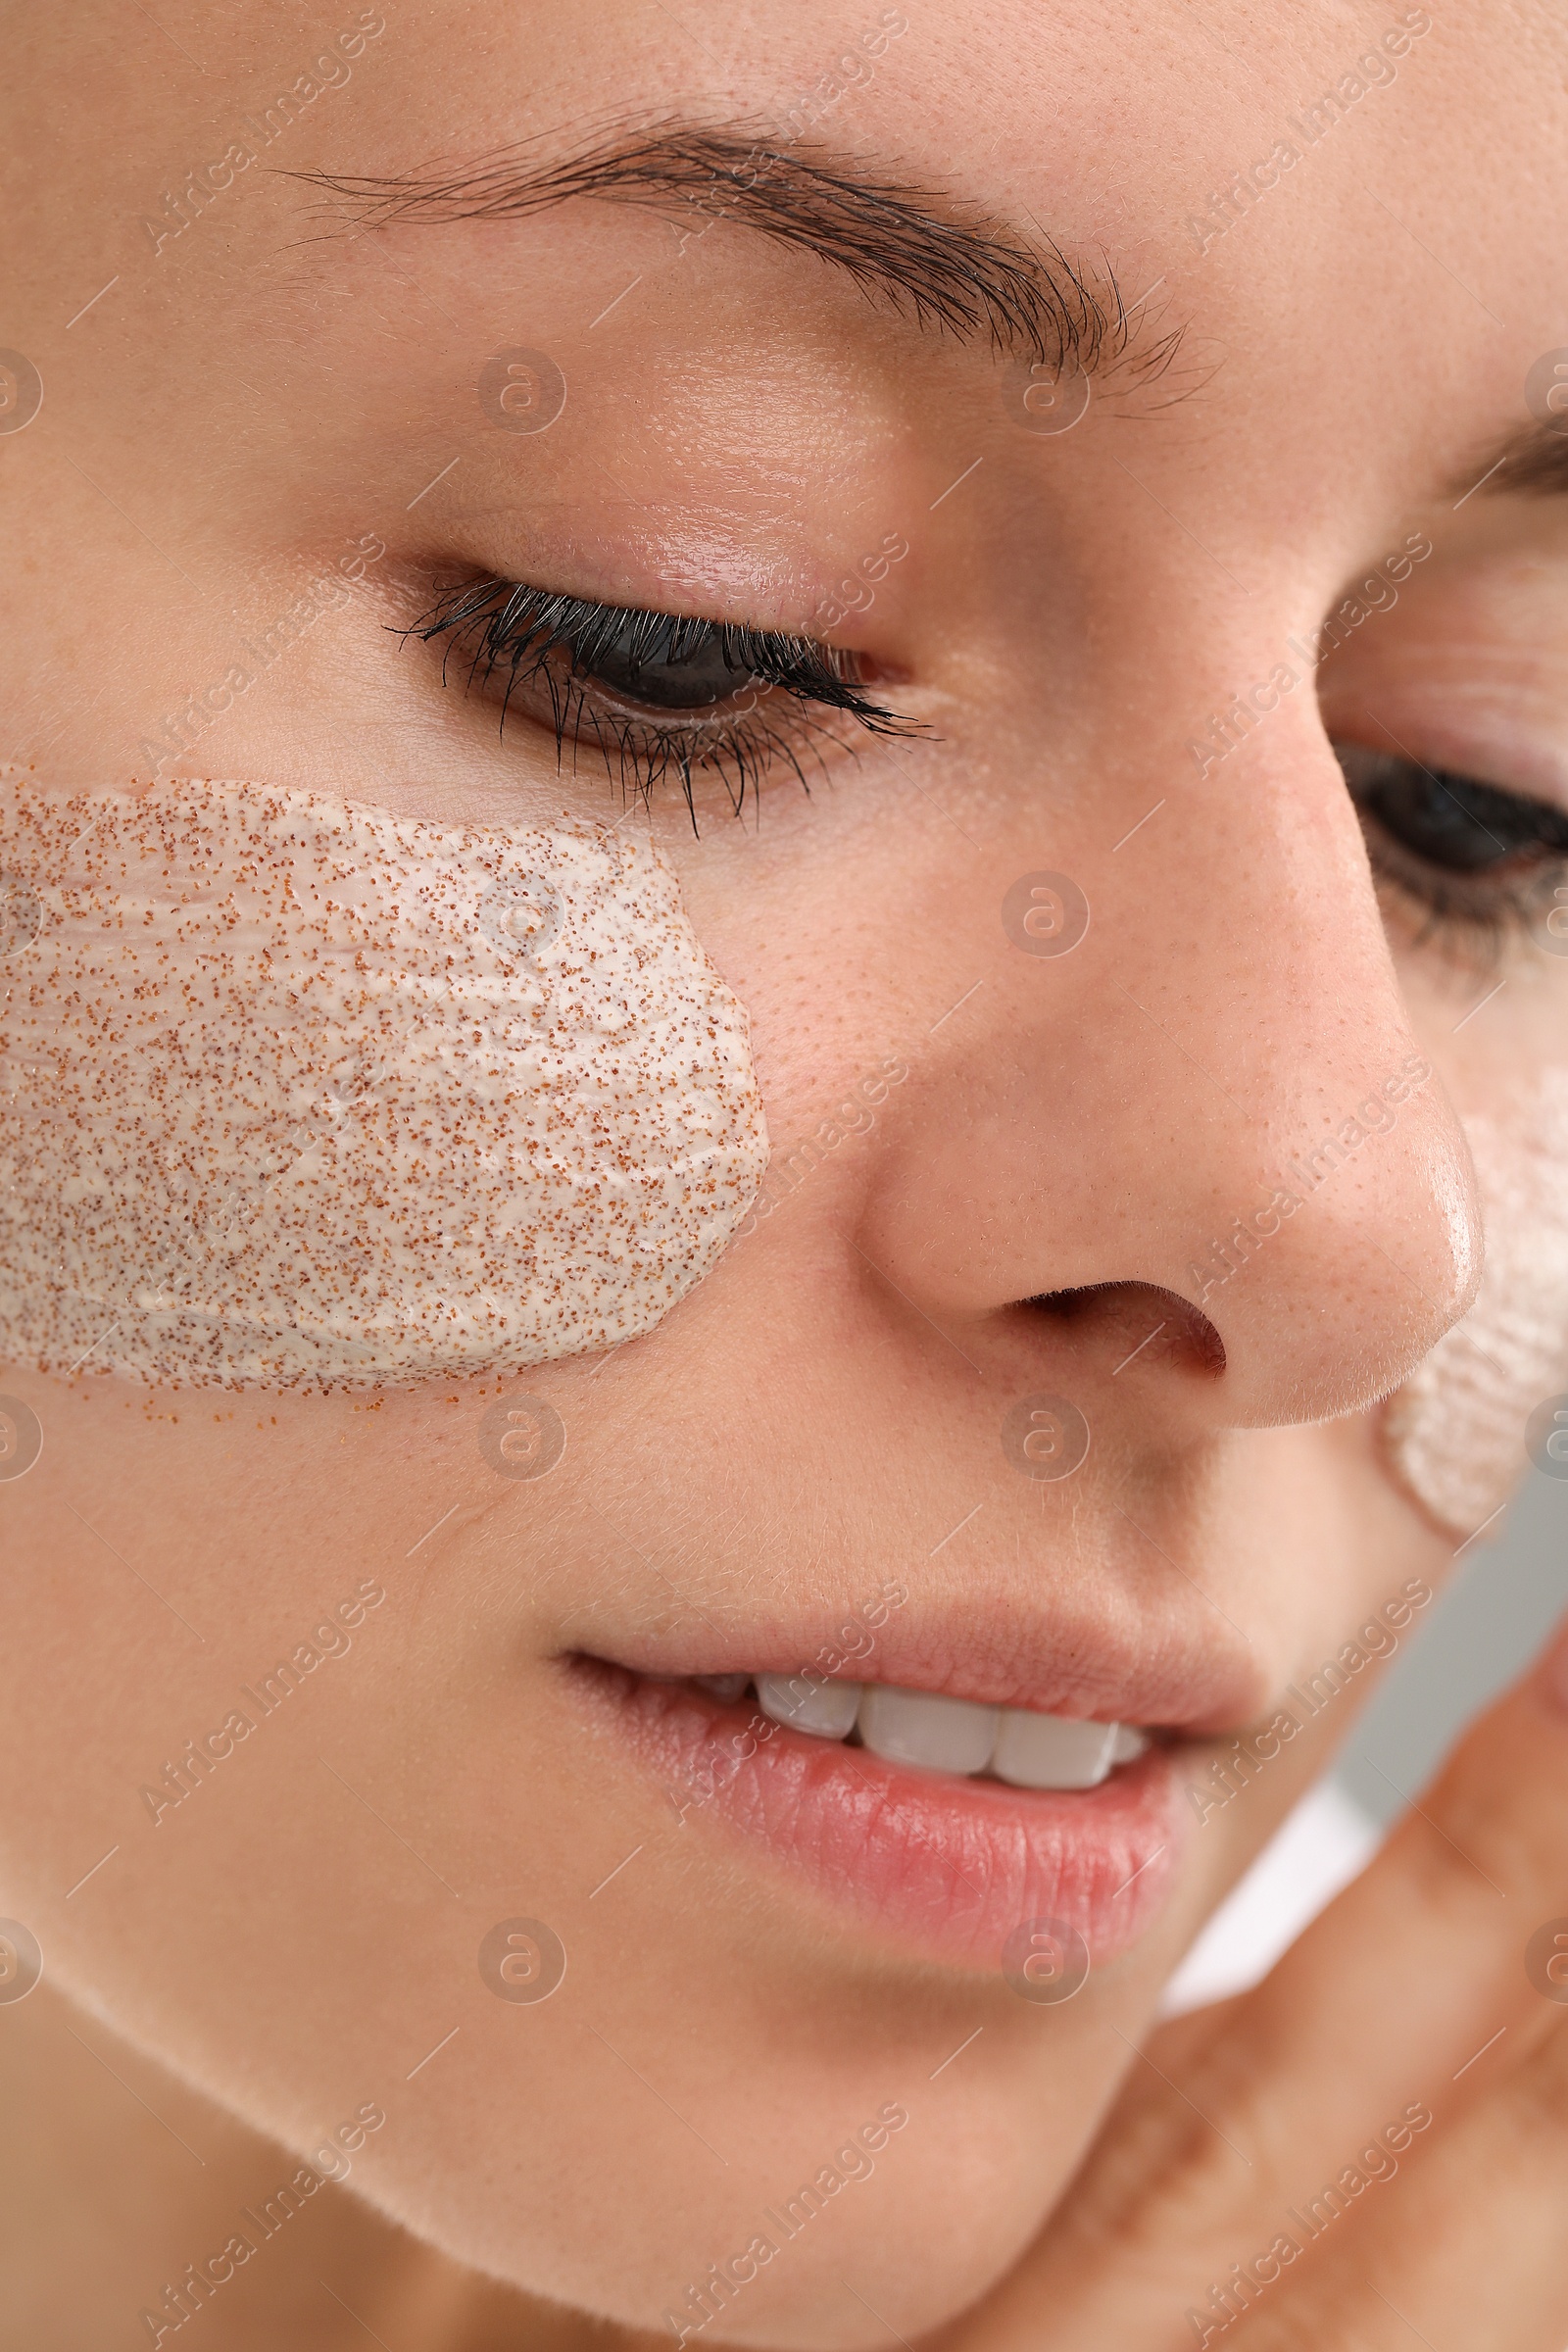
(1120, 113)
(1351, 216)
(1353, 213)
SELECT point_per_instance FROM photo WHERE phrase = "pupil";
(678, 665)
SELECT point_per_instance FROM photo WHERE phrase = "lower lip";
(956, 1868)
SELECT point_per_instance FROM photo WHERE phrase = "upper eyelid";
(587, 610)
(1464, 723)
(1547, 811)
(802, 667)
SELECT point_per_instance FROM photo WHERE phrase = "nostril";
(1140, 1322)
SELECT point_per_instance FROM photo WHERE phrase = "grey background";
(1483, 1629)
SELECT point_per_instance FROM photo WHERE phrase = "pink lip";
(954, 1868)
(1117, 1662)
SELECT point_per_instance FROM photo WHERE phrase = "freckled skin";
(305, 1094)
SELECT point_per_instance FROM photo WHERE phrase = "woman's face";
(1052, 1367)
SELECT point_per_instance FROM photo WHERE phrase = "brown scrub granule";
(304, 1094)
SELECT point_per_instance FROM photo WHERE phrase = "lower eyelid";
(642, 749)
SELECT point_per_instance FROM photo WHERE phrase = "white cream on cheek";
(1455, 1431)
(303, 1094)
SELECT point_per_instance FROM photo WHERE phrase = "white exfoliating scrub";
(299, 1093)
(1456, 1430)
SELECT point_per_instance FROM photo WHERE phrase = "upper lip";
(1131, 1661)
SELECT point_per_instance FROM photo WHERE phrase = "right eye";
(1452, 822)
(1479, 859)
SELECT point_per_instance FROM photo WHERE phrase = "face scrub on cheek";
(301, 1092)
(1455, 1431)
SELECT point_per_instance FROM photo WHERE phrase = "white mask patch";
(304, 1094)
(1456, 1430)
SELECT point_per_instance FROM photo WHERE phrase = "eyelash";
(1471, 930)
(523, 631)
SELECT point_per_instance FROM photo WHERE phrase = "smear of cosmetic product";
(299, 1093)
(1456, 1430)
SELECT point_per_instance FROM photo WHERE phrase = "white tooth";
(722, 1686)
(919, 1727)
(1051, 1751)
(809, 1702)
(1129, 1743)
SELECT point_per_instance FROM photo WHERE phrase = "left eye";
(1452, 822)
(655, 693)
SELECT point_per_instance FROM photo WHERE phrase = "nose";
(1213, 1091)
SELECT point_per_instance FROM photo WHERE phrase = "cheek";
(314, 1096)
(1456, 1430)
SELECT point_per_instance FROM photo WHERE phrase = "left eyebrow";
(946, 262)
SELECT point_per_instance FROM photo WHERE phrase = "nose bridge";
(1214, 1089)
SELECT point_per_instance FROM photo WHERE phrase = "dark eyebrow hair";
(1533, 460)
(944, 262)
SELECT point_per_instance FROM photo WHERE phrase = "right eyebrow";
(1534, 461)
(947, 264)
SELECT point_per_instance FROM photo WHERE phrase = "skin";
(824, 1409)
